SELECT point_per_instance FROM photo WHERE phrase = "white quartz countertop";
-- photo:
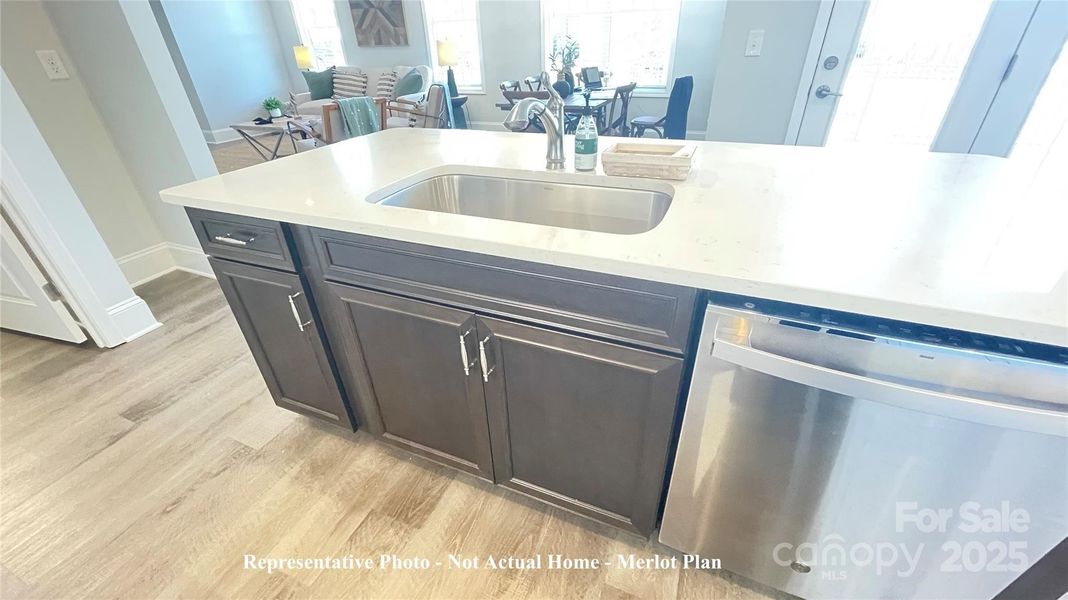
(968, 242)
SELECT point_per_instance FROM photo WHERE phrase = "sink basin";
(567, 205)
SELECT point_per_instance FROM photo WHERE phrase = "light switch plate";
(52, 64)
(755, 42)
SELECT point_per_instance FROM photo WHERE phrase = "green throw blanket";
(359, 115)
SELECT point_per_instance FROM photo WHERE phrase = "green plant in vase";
(565, 53)
(273, 106)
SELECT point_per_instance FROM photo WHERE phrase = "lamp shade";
(446, 53)
(303, 55)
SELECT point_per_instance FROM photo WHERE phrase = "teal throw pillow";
(320, 83)
(411, 83)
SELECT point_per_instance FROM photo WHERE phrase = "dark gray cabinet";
(275, 316)
(415, 366)
(580, 423)
(558, 383)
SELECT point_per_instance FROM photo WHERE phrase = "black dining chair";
(533, 82)
(672, 125)
(512, 86)
(617, 123)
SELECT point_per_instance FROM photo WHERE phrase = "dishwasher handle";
(996, 414)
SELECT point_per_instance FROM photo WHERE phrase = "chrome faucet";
(551, 115)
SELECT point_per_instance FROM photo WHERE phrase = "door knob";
(823, 91)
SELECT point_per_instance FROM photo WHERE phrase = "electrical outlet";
(755, 42)
(52, 64)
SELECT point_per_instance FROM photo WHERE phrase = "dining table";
(575, 103)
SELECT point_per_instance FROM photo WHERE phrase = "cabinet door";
(275, 317)
(579, 423)
(416, 363)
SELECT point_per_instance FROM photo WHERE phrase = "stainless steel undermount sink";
(568, 205)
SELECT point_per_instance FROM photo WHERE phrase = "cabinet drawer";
(244, 239)
(651, 314)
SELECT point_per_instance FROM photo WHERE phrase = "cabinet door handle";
(486, 369)
(468, 363)
(228, 238)
(296, 315)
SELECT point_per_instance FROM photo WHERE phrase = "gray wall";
(754, 96)
(74, 130)
(230, 53)
(127, 70)
(415, 53)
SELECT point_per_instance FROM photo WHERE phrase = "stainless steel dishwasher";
(832, 455)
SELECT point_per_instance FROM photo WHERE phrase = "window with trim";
(316, 21)
(456, 21)
(631, 40)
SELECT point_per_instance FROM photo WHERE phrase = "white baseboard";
(222, 136)
(155, 261)
(133, 318)
(147, 264)
(191, 260)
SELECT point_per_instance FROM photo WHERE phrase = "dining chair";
(672, 125)
(533, 82)
(617, 123)
(514, 86)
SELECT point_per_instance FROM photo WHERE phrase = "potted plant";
(566, 53)
(273, 106)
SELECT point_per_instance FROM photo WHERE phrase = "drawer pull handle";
(233, 241)
(296, 315)
(486, 369)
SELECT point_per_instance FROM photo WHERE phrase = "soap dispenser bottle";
(586, 140)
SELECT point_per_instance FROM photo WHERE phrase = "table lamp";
(303, 55)
(447, 58)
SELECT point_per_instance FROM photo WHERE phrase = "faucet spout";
(551, 116)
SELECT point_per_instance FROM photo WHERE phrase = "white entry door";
(25, 302)
(926, 74)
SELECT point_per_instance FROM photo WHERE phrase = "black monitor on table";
(591, 77)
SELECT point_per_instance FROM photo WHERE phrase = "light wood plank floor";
(231, 156)
(151, 469)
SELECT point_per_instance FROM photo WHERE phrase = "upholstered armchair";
(434, 111)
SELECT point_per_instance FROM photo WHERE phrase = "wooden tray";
(659, 161)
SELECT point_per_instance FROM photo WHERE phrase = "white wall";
(754, 96)
(130, 77)
(233, 58)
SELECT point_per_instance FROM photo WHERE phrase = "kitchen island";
(968, 242)
(547, 349)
